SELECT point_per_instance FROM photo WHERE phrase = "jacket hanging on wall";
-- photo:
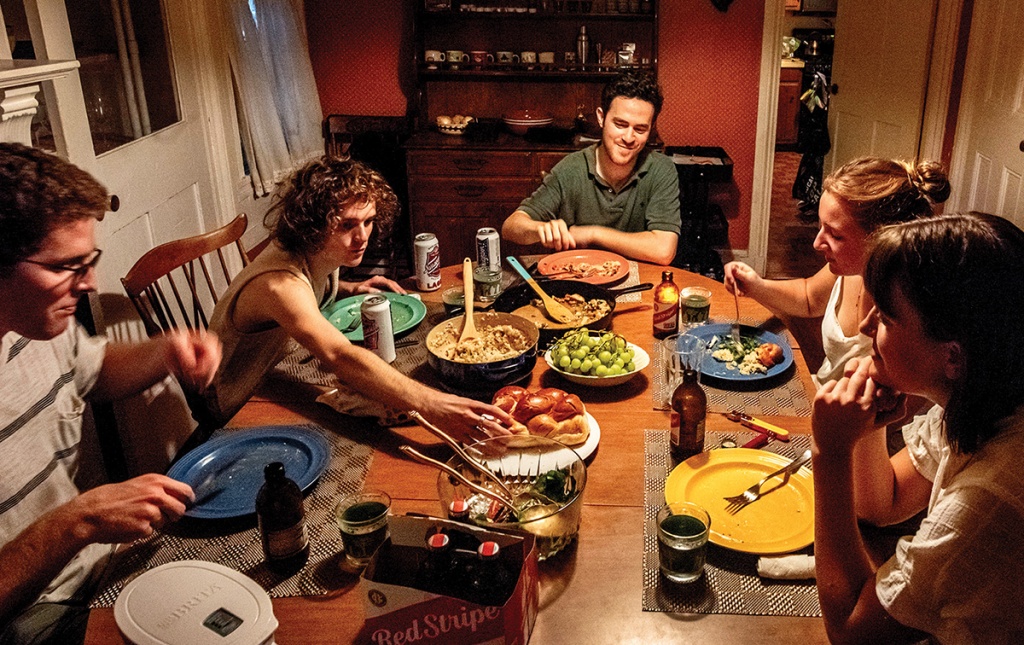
(814, 144)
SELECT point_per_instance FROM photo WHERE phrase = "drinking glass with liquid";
(683, 529)
(363, 522)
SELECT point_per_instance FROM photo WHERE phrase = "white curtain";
(278, 105)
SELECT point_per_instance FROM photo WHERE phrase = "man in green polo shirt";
(614, 195)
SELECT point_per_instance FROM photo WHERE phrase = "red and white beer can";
(488, 249)
(378, 331)
(427, 255)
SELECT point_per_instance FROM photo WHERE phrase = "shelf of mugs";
(519, 71)
(589, 8)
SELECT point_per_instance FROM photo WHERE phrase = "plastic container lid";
(194, 603)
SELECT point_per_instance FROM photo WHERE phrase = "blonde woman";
(856, 199)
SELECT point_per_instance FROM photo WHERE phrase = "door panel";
(881, 69)
(990, 138)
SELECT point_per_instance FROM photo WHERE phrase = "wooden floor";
(790, 239)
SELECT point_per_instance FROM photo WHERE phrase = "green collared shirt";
(574, 192)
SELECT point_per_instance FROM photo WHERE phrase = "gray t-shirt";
(574, 192)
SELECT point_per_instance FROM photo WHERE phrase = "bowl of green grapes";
(596, 358)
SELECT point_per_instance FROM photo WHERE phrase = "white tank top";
(839, 348)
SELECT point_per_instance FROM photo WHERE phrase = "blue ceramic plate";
(406, 313)
(226, 472)
(718, 369)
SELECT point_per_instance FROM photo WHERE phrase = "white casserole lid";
(194, 603)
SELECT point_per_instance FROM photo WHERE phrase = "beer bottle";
(458, 511)
(436, 571)
(666, 306)
(490, 580)
(689, 411)
(282, 523)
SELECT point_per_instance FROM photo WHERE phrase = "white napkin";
(354, 404)
(786, 567)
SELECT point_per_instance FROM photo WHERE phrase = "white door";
(164, 183)
(989, 161)
(880, 66)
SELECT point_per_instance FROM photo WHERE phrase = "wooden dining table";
(590, 593)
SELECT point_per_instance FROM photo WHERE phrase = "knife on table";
(754, 423)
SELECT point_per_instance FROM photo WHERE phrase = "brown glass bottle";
(282, 521)
(689, 411)
(666, 306)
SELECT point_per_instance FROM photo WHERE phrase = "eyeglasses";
(79, 269)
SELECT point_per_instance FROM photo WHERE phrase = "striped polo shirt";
(41, 388)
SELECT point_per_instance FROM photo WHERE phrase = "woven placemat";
(782, 395)
(236, 543)
(632, 280)
(730, 584)
(410, 355)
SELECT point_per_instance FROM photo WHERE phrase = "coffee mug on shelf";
(455, 57)
(432, 57)
(529, 59)
(480, 58)
(506, 58)
(546, 58)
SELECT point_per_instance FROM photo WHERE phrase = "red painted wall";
(709, 69)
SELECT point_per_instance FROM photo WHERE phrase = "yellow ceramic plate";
(779, 522)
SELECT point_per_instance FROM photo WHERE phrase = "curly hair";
(887, 191)
(633, 85)
(960, 273)
(311, 204)
(40, 192)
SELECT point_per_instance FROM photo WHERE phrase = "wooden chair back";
(172, 285)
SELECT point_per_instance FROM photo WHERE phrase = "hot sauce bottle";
(666, 306)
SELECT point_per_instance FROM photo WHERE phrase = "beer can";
(378, 332)
(427, 255)
(488, 249)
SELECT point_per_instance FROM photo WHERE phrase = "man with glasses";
(53, 539)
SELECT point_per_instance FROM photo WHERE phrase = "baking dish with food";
(485, 374)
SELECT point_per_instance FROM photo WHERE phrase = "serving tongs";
(461, 452)
(500, 499)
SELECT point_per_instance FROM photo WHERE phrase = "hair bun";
(930, 179)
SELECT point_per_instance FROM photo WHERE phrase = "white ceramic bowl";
(641, 359)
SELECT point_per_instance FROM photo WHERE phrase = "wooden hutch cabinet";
(459, 183)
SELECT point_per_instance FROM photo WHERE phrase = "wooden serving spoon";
(554, 309)
(468, 324)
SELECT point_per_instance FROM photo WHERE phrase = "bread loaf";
(548, 412)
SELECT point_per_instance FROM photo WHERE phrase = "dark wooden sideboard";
(458, 185)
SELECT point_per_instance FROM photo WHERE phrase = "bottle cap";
(458, 507)
(273, 469)
(438, 541)
(488, 550)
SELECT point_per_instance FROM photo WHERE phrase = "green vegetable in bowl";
(581, 351)
(557, 485)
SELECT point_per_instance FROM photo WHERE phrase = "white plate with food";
(527, 461)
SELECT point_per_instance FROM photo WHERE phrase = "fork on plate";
(754, 493)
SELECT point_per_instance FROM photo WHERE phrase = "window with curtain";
(127, 73)
(278, 104)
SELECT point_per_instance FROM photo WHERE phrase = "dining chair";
(172, 285)
(177, 284)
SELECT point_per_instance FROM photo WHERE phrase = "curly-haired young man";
(322, 220)
(616, 194)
